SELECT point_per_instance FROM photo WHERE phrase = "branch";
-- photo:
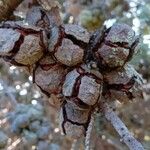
(122, 130)
(88, 133)
(7, 7)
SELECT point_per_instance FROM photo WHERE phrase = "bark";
(7, 7)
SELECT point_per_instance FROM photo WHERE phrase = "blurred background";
(18, 96)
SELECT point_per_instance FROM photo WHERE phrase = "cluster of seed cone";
(70, 63)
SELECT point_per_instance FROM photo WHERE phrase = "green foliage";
(91, 19)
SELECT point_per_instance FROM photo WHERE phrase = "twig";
(73, 146)
(90, 127)
(7, 7)
(88, 133)
(122, 130)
